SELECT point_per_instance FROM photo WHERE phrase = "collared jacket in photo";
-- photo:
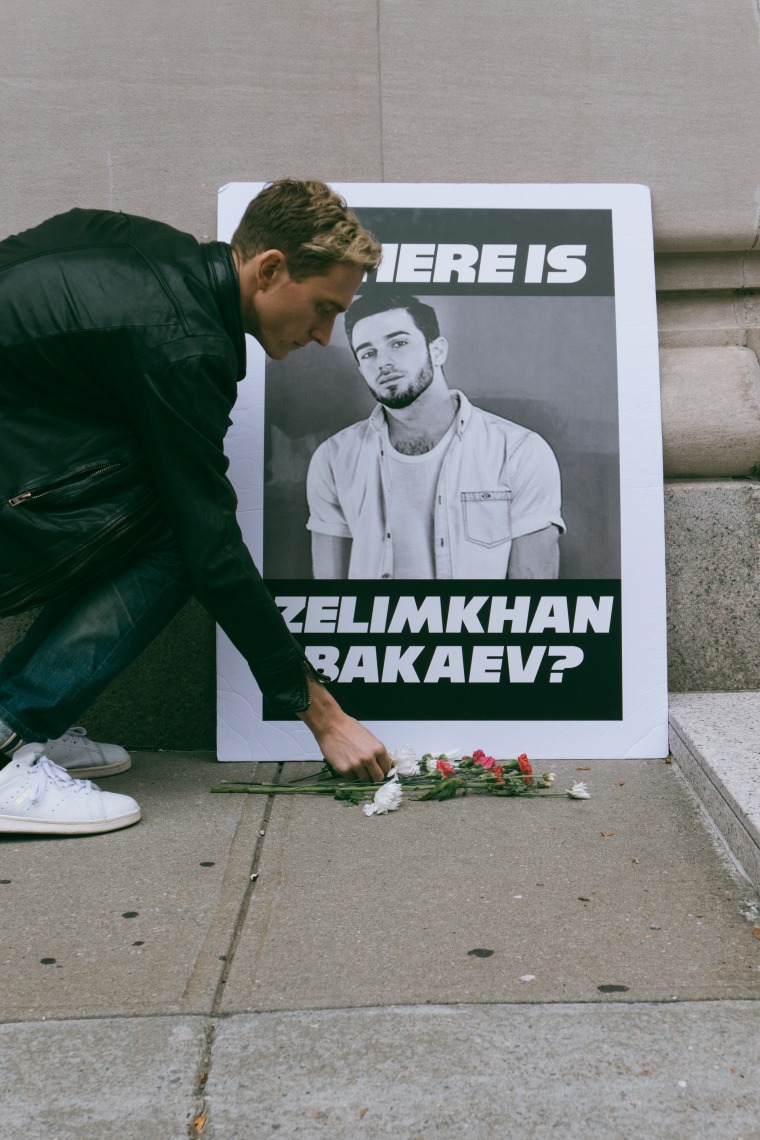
(499, 481)
(121, 347)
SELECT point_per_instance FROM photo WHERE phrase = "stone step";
(715, 739)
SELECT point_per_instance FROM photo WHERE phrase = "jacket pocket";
(71, 525)
(57, 488)
(81, 564)
(487, 516)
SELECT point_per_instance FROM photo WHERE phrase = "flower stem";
(272, 789)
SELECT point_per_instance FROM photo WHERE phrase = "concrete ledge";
(710, 411)
(697, 272)
(715, 739)
(712, 534)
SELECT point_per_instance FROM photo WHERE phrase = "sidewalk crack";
(245, 903)
(201, 1108)
(199, 1117)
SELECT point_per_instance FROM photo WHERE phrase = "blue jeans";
(82, 640)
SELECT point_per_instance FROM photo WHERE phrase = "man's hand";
(349, 748)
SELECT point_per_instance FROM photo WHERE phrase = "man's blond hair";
(310, 225)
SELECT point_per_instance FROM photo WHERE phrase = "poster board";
(544, 297)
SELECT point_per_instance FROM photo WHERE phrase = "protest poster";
(536, 309)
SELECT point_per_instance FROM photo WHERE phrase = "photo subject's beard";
(402, 399)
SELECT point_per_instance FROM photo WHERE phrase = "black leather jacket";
(121, 345)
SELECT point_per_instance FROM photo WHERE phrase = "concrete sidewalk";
(482, 968)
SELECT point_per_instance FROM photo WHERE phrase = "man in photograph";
(429, 486)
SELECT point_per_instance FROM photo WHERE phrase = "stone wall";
(151, 107)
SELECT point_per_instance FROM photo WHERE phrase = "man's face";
(393, 357)
(290, 314)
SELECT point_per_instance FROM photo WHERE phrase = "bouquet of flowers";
(436, 776)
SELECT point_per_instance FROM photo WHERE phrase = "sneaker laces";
(45, 771)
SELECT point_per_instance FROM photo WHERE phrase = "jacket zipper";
(25, 496)
(310, 674)
(96, 541)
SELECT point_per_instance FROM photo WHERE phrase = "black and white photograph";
(481, 433)
(438, 496)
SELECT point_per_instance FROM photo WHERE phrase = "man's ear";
(439, 351)
(270, 268)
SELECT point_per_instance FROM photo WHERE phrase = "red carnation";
(523, 763)
(444, 767)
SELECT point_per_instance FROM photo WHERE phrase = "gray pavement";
(480, 968)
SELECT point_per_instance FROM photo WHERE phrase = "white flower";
(405, 761)
(454, 755)
(579, 792)
(387, 798)
(546, 780)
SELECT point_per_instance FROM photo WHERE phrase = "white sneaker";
(81, 756)
(39, 797)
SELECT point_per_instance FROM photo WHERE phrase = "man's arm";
(330, 555)
(535, 555)
(331, 540)
(180, 413)
(535, 509)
